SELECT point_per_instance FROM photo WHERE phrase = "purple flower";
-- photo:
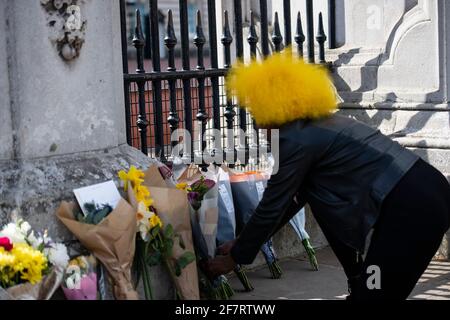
(193, 197)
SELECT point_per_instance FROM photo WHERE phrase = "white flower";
(73, 280)
(57, 255)
(13, 233)
(143, 220)
(34, 241)
(24, 227)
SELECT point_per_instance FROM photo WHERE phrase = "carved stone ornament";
(66, 25)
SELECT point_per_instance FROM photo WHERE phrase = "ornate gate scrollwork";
(67, 26)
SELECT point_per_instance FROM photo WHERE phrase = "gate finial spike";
(138, 39)
(199, 39)
(321, 38)
(300, 35)
(170, 40)
(277, 38)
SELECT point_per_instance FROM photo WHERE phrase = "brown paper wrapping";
(43, 290)
(173, 208)
(112, 242)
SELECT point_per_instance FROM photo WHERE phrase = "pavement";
(300, 282)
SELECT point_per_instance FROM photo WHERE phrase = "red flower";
(6, 243)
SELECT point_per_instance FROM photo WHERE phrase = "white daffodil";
(143, 220)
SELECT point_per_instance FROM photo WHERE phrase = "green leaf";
(154, 259)
(181, 242)
(168, 233)
(177, 270)
(186, 259)
(155, 231)
(168, 243)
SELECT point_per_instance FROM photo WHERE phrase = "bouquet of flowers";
(107, 229)
(298, 223)
(202, 194)
(31, 264)
(80, 279)
(156, 240)
(248, 189)
(226, 228)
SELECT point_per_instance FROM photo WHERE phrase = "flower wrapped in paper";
(248, 189)
(31, 264)
(226, 228)
(164, 230)
(202, 193)
(80, 279)
(112, 241)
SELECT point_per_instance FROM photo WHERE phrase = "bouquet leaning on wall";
(248, 189)
(31, 264)
(164, 230)
(202, 193)
(109, 233)
(226, 228)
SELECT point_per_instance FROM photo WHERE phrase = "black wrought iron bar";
(148, 38)
(180, 74)
(240, 56)
(214, 65)
(321, 38)
(299, 36)
(184, 31)
(264, 28)
(171, 41)
(157, 92)
(332, 24)
(277, 38)
(202, 115)
(310, 30)
(238, 30)
(252, 38)
(139, 42)
(287, 22)
(124, 38)
(253, 42)
(227, 40)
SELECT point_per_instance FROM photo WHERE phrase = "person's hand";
(220, 265)
(225, 249)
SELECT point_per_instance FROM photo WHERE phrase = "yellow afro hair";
(282, 89)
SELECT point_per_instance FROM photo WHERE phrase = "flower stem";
(242, 276)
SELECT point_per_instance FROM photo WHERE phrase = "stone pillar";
(62, 122)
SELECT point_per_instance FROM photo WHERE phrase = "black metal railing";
(160, 102)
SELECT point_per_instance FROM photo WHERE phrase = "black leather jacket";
(342, 168)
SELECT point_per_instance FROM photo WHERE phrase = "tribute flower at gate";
(28, 262)
(156, 242)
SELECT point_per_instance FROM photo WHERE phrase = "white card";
(100, 194)
(226, 198)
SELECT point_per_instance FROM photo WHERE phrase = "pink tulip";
(87, 291)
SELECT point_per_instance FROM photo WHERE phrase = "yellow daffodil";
(143, 195)
(134, 176)
(155, 221)
(182, 186)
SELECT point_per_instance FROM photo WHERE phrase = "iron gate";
(159, 102)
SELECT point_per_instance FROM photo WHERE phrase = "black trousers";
(413, 220)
